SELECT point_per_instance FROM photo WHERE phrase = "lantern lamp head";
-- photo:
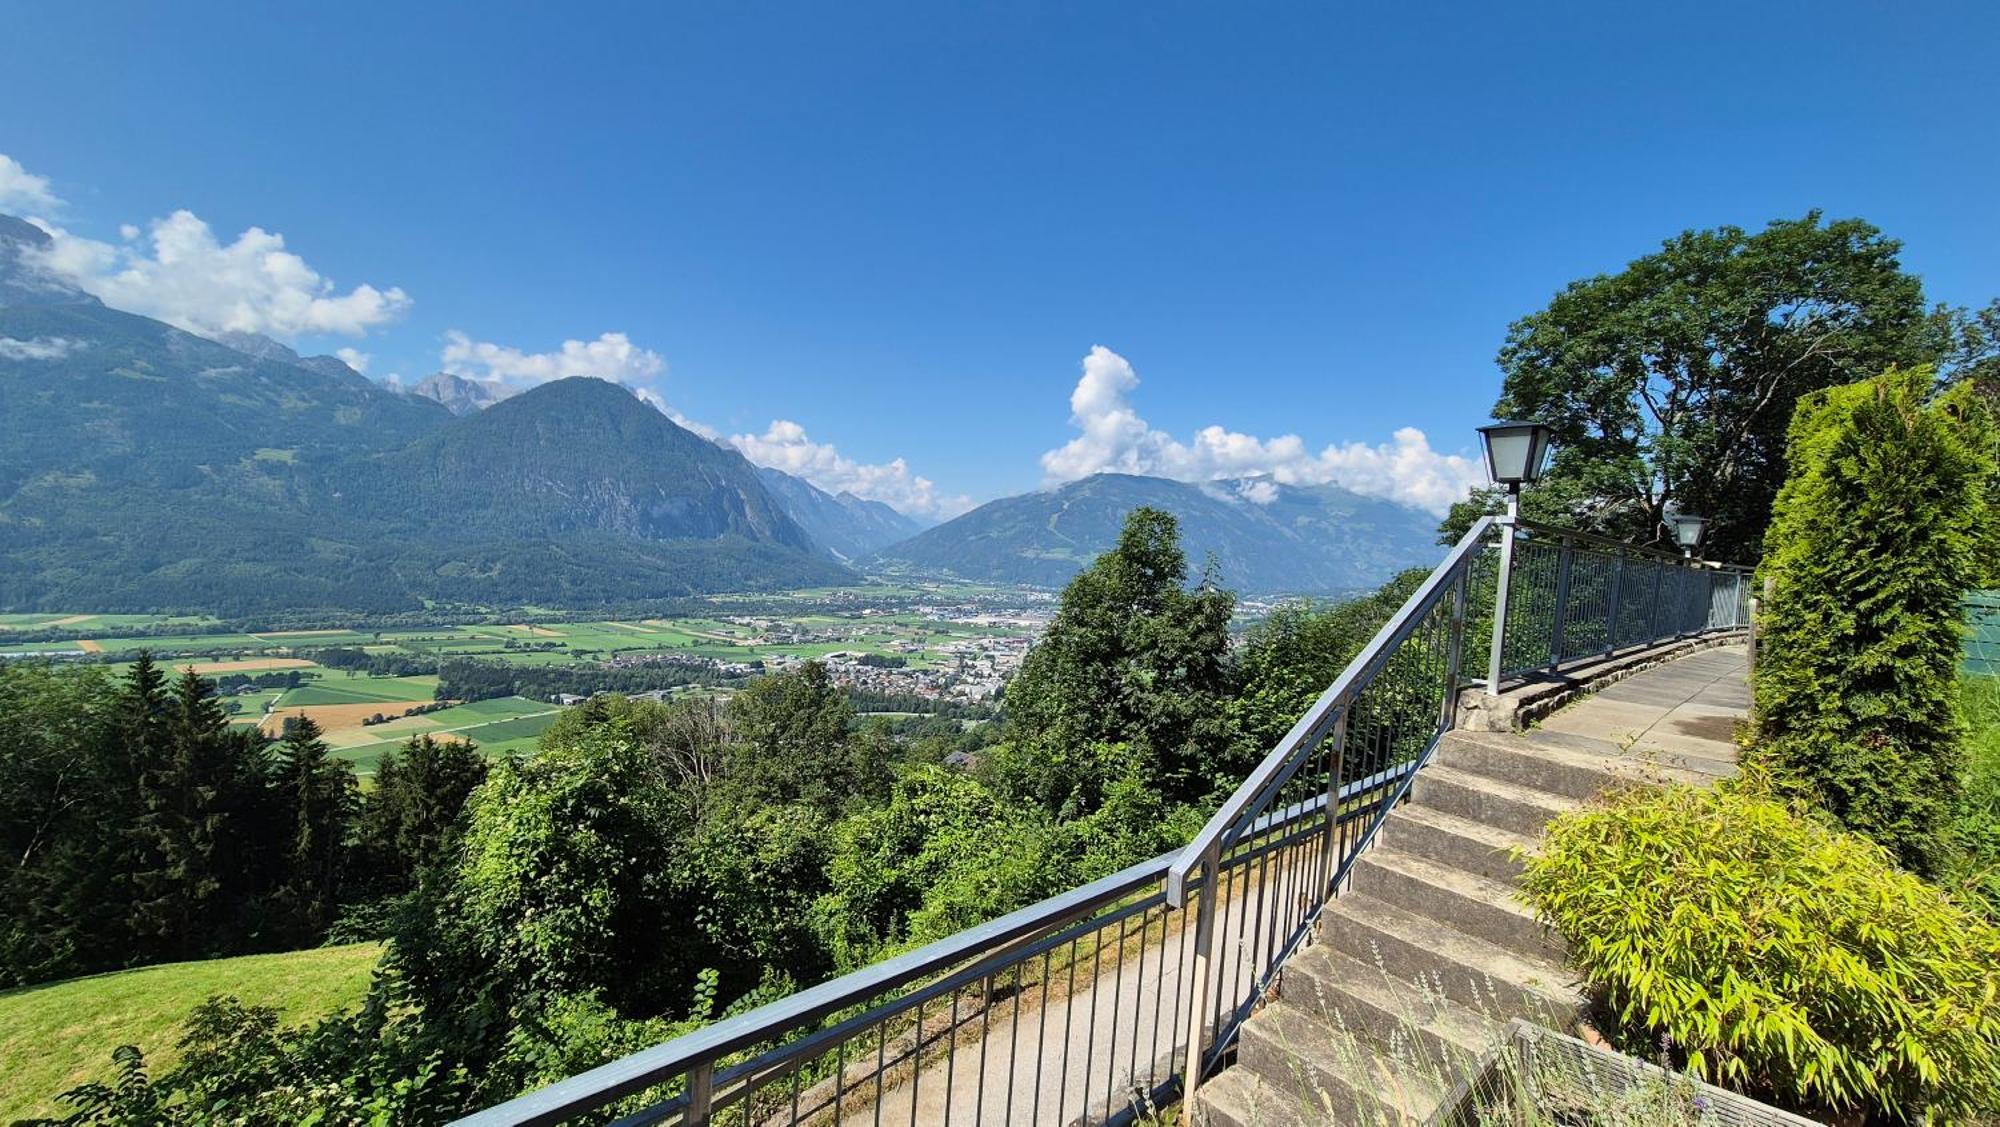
(1516, 453)
(1687, 529)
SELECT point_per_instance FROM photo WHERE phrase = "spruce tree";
(316, 798)
(195, 798)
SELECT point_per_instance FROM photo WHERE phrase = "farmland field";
(921, 641)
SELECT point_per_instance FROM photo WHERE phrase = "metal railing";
(1122, 994)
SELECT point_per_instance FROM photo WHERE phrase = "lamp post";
(1687, 529)
(1515, 455)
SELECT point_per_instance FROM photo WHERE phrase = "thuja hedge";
(1876, 536)
(1775, 955)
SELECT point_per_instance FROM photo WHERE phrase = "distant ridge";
(143, 468)
(1266, 538)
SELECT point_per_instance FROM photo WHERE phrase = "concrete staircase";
(1422, 960)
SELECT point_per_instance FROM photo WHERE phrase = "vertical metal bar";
(1013, 1047)
(700, 1094)
(950, 1056)
(1454, 651)
(1564, 559)
(985, 1028)
(881, 1066)
(1199, 987)
(1500, 594)
(917, 1065)
(1090, 1026)
(1611, 614)
(1659, 588)
(1338, 738)
(1069, 1019)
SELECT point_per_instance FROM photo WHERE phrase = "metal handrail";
(1284, 759)
(1265, 864)
(1614, 544)
(606, 1083)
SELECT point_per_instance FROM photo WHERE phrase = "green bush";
(1979, 811)
(1778, 956)
(1874, 541)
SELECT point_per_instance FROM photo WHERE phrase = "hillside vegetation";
(52, 1037)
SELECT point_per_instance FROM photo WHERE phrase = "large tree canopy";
(1671, 381)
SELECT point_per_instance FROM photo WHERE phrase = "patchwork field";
(267, 675)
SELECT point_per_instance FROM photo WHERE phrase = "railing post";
(1567, 554)
(700, 1094)
(1611, 616)
(1659, 588)
(1339, 757)
(1455, 655)
(1506, 581)
(1201, 974)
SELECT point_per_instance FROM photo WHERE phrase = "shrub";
(1979, 811)
(1874, 541)
(1779, 956)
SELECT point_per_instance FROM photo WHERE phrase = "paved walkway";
(1046, 1062)
(1688, 707)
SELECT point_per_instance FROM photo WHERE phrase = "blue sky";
(904, 228)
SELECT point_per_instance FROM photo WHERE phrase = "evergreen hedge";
(1876, 536)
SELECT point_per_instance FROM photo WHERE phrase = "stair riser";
(1524, 768)
(1210, 1113)
(1478, 805)
(1323, 998)
(1447, 848)
(1321, 1095)
(1493, 923)
(1701, 765)
(1460, 983)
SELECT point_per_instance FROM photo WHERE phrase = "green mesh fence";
(1982, 635)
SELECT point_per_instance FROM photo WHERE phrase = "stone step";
(1459, 842)
(1238, 1097)
(1557, 770)
(1479, 907)
(1495, 802)
(1709, 766)
(1490, 979)
(1390, 1013)
(1335, 1077)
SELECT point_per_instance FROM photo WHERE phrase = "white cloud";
(1116, 439)
(785, 446)
(38, 348)
(22, 191)
(612, 356)
(354, 358)
(182, 274)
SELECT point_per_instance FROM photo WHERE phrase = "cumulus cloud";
(38, 348)
(179, 272)
(1115, 438)
(612, 356)
(22, 191)
(784, 445)
(354, 358)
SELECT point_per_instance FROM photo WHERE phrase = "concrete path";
(1687, 707)
(1045, 1059)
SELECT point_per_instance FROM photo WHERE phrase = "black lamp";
(1687, 529)
(1515, 455)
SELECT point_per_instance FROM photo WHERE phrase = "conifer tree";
(1876, 538)
(190, 885)
(315, 796)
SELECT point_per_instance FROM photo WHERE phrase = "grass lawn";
(55, 1037)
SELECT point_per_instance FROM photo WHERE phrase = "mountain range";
(1264, 537)
(146, 468)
